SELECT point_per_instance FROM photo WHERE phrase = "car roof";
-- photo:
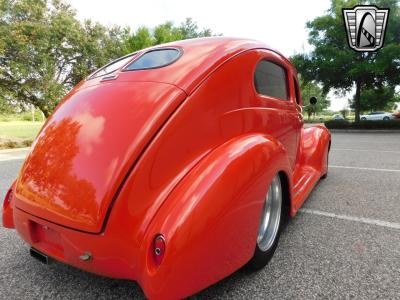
(201, 56)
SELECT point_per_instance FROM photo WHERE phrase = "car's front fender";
(211, 218)
(315, 143)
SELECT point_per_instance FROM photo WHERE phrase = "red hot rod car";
(173, 166)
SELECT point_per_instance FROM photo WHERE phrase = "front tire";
(270, 226)
(327, 162)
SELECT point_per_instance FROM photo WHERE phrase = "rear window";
(270, 80)
(155, 59)
(113, 66)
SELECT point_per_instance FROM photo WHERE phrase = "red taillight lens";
(8, 211)
(8, 198)
(158, 249)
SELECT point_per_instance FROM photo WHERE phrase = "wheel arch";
(220, 199)
(287, 198)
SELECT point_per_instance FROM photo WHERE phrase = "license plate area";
(46, 239)
(43, 234)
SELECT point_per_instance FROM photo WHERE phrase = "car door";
(371, 116)
(274, 85)
(298, 102)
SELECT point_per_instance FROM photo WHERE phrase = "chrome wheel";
(271, 216)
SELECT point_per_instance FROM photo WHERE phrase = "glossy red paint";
(79, 159)
(186, 151)
(8, 208)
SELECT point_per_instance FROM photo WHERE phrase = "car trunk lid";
(87, 147)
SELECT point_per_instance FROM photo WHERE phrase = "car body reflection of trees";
(55, 174)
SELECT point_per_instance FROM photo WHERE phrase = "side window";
(296, 90)
(270, 80)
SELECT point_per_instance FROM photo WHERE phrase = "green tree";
(190, 30)
(311, 89)
(98, 46)
(166, 32)
(376, 98)
(45, 50)
(140, 39)
(5, 106)
(333, 64)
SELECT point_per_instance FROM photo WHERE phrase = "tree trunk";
(45, 112)
(357, 101)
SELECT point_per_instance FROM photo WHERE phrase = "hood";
(87, 147)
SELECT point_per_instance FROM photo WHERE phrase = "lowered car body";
(174, 169)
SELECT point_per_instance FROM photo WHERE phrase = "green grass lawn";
(19, 129)
(16, 134)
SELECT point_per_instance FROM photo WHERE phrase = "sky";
(279, 24)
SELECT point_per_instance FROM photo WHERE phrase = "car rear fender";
(8, 208)
(210, 220)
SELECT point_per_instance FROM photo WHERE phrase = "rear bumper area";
(108, 254)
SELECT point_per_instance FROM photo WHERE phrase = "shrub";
(10, 144)
(27, 143)
(313, 121)
(392, 124)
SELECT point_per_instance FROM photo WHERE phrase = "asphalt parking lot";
(345, 243)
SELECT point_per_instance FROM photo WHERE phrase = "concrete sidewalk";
(13, 154)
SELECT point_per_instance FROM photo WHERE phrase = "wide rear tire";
(270, 226)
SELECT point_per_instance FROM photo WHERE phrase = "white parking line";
(352, 218)
(361, 168)
(365, 150)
